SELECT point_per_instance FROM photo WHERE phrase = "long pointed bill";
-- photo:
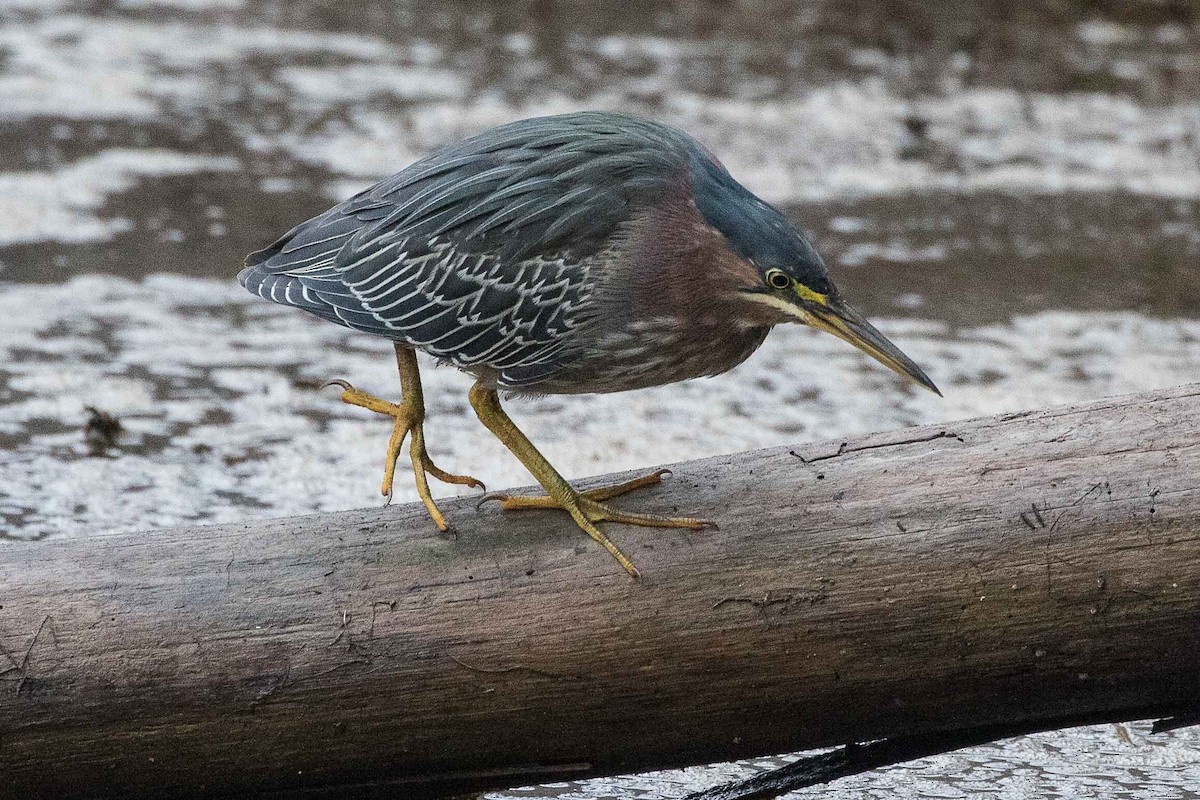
(845, 323)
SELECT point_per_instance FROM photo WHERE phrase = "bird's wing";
(484, 253)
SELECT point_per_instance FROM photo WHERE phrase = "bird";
(587, 252)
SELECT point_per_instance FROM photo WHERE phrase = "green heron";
(585, 252)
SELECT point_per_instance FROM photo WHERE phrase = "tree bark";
(1019, 568)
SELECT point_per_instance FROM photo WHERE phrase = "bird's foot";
(587, 508)
(517, 502)
(409, 419)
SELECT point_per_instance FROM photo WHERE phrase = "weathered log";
(1013, 569)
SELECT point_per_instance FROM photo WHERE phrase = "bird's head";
(789, 281)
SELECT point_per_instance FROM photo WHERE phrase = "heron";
(579, 253)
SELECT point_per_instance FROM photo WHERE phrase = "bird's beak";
(834, 316)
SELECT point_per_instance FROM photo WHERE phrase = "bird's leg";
(585, 508)
(409, 415)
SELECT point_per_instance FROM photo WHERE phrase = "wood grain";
(1009, 569)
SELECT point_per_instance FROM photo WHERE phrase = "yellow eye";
(778, 279)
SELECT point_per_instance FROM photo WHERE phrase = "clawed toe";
(599, 512)
(450, 477)
(514, 502)
(588, 504)
(409, 416)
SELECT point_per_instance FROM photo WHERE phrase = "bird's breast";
(639, 353)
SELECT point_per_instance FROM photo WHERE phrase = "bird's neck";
(677, 264)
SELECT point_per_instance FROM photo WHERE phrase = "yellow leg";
(584, 507)
(409, 414)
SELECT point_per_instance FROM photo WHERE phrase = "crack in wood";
(390, 605)
(23, 666)
(273, 688)
(845, 449)
(770, 598)
(514, 668)
(341, 666)
(1035, 521)
(1058, 518)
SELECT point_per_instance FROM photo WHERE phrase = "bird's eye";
(778, 279)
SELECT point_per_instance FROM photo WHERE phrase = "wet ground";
(1013, 190)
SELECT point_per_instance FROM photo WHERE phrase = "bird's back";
(484, 254)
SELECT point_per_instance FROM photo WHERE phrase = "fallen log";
(1003, 571)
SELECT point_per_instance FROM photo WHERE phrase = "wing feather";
(484, 253)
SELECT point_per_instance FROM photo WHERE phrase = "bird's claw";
(501, 496)
(408, 416)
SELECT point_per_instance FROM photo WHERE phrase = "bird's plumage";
(589, 252)
(512, 255)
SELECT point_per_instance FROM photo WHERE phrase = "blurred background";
(1012, 189)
